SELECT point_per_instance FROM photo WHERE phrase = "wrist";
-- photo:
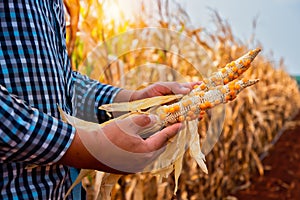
(125, 96)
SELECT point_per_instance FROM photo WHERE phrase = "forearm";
(79, 157)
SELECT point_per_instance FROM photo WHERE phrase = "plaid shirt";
(35, 77)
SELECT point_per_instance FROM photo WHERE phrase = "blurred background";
(275, 24)
(222, 32)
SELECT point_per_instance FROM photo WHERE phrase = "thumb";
(134, 124)
(161, 138)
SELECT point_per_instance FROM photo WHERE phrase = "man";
(35, 77)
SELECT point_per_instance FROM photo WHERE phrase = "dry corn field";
(252, 121)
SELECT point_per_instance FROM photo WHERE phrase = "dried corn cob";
(190, 106)
(230, 72)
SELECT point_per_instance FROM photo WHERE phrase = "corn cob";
(230, 72)
(190, 106)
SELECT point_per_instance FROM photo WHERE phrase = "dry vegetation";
(252, 121)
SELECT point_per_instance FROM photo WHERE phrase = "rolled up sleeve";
(89, 95)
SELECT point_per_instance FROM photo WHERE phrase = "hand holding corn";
(221, 87)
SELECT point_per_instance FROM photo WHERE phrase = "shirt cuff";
(110, 94)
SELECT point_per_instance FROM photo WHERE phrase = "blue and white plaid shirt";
(35, 77)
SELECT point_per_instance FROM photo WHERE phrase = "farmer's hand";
(156, 89)
(164, 88)
(116, 147)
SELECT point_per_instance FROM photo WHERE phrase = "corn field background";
(252, 122)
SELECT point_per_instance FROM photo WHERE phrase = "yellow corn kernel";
(223, 90)
(234, 68)
(226, 80)
(208, 104)
(176, 107)
(181, 118)
(166, 109)
(223, 70)
(203, 86)
(227, 97)
(202, 112)
(246, 62)
(231, 86)
(196, 86)
(172, 110)
(232, 93)
(202, 106)
(237, 86)
(244, 80)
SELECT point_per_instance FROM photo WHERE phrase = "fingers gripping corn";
(221, 87)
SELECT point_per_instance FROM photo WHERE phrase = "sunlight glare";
(120, 10)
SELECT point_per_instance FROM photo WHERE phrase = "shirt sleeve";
(28, 135)
(89, 95)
